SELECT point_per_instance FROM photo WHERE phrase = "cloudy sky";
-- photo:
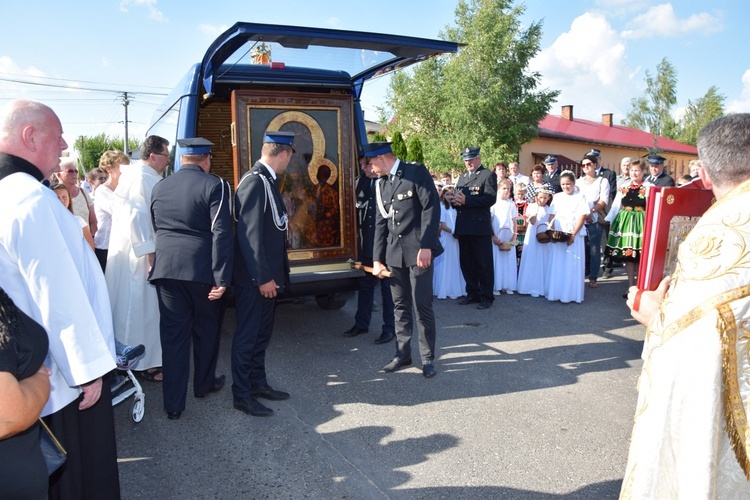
(79, 58)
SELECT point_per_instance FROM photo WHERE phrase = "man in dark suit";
(365, 194)
(407, 240)
(192, 269)
(658, 176)
(261, 271)
(475, 193)
(552, 175)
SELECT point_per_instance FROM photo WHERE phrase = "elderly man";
(83, 204)
(365, 193)
(192, 269)
(516, 176)
(658, 176)
(407, 239)
(476, 192)
(690, 433)
(135, 306)
(49, 271)
(624, 178)
(552, 175)
(261, 272)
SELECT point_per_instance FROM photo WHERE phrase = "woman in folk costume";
(627, 215)
(533, 274)
(504, 213)
(448, 282)
(568, 262)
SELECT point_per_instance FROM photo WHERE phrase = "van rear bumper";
(323, 282)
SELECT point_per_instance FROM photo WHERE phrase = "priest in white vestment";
(135, 306)
(691, 437)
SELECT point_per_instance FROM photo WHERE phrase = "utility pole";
(125, 102)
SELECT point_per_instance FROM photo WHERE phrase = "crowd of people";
(130, 273)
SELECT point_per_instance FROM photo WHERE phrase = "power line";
(67, 87)
(83, 81)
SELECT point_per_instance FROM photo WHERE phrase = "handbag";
(53, 452)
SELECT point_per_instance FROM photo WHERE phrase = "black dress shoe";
(467, 300)
(485, 304)
(354, 331)
(428, 370)
(251, 406)
(174, 415)
(269, 393)
(385, 337)
(218, 384)
(396, 363)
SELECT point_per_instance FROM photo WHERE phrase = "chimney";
(607, 119)
(567, 112)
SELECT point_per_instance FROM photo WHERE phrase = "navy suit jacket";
(416, 217)
(662, 180)
(553, 179)
(474, 218)
(260, 246)
(365, 197)
(190, 212)
(611, 177)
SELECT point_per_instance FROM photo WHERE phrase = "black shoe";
(269, 393)
(174, 415)
(251, 406)
(218, 384)
(385, 337)
(485, 304)
(396, 363)
(428, 370)
(467, 300)
(354, 331)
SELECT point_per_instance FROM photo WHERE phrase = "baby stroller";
(121, 388)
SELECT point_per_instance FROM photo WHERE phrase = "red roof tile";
(557, 127)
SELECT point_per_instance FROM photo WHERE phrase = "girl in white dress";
(533, 274)
(504, 214)
(568, 260)
(447, 281)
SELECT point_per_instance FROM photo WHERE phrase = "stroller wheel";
(137, 409)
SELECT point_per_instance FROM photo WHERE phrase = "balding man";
(52, 275)
(690, 432)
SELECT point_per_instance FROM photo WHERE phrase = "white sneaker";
(509, 292)
(496, 292)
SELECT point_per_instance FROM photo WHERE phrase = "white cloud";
(105, 62)
(333, 22)
(153, 12)
(742, 105)
(11, 70)
(622, 7)
(588, 65)
(661, 20)
(212, 30)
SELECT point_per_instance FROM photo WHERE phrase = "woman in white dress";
(448, 282)
(568, 262)
(533, 274)
(110, 162)
(504, 213)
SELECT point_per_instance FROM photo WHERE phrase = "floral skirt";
(625, 240)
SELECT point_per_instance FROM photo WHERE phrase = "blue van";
(258, 77)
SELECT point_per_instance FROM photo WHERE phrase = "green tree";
(699, 113)
(483, 96)
(652, 111)
(399, 145)
(415, 150)
(378, 137)
(90, 149)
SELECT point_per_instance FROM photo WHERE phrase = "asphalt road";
(533, 399)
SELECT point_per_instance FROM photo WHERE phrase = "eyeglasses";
(587, 164)
(162, 154)
(101, 179)
(70, 171)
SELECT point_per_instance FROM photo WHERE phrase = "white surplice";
(448, 281)
(694, 388)
(504, 214)
(51, 273)
(534, 271)
(135, 307)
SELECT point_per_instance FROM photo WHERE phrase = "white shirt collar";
(394, 169)
(270, 170)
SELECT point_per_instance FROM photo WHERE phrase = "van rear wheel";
(330, 301)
